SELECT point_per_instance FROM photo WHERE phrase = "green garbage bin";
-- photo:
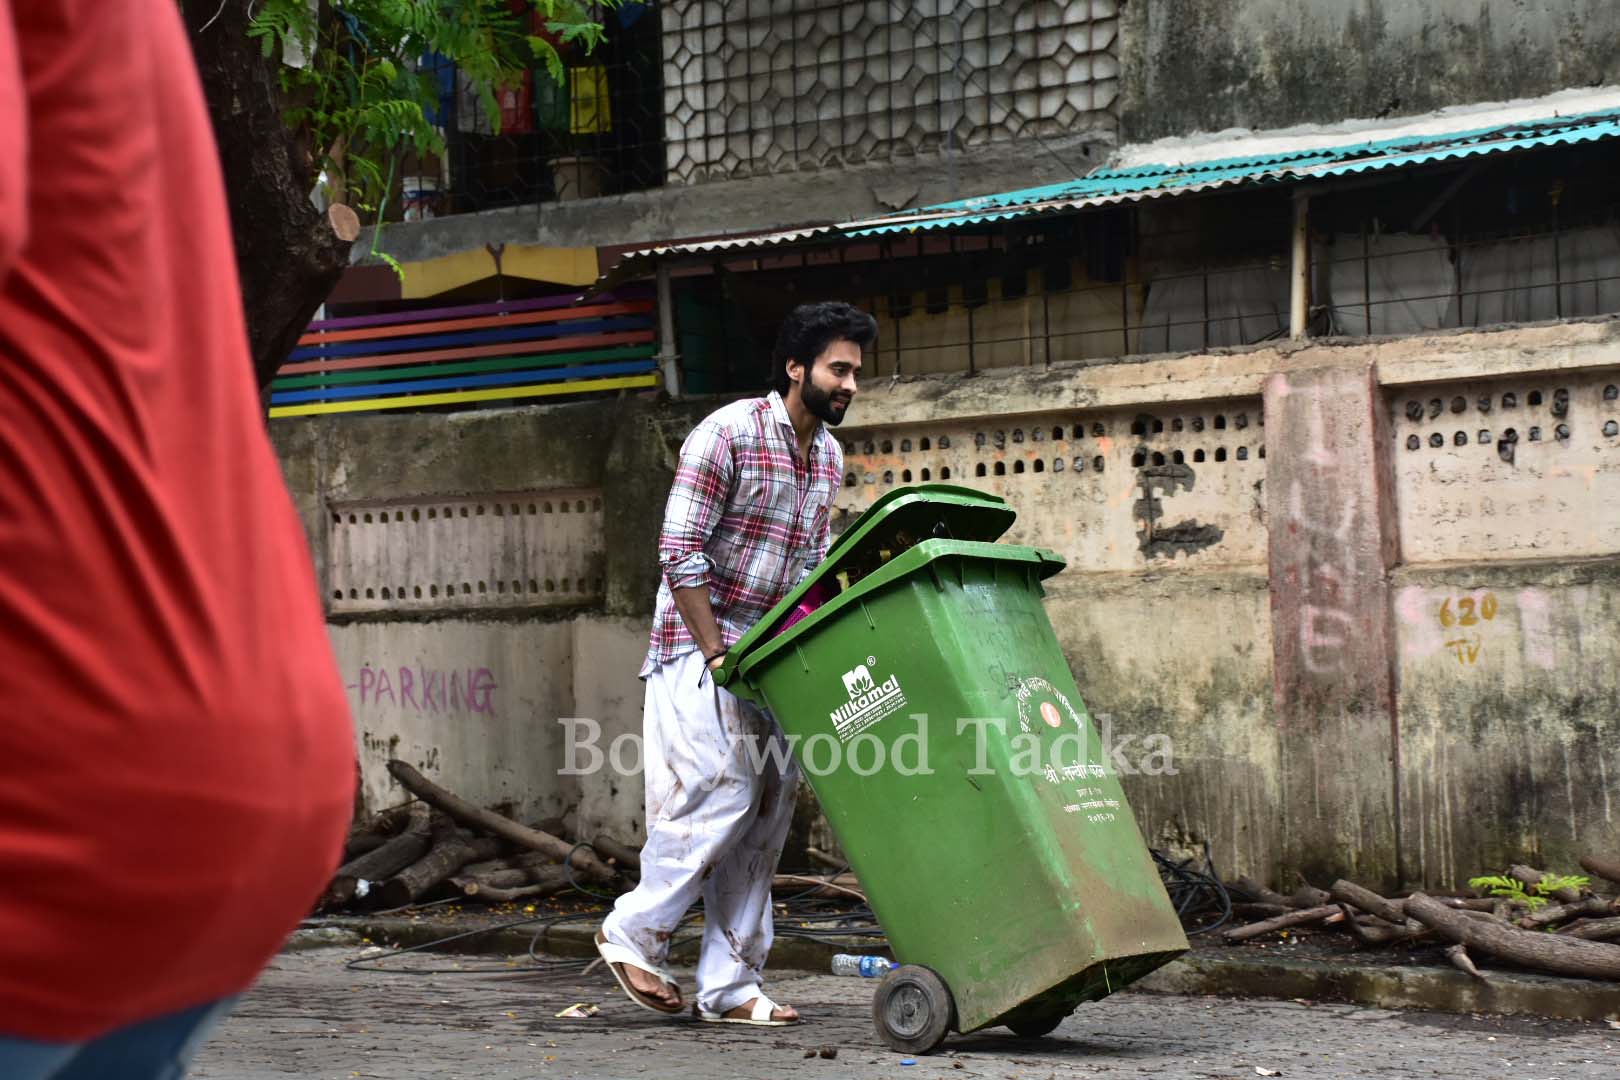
(931, 707)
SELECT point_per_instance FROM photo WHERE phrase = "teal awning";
(1109, 186)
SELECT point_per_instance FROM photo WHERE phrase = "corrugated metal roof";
(642, 261)
(1158, 180)
(1108, 186)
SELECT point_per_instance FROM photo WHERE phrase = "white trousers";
(721, 788)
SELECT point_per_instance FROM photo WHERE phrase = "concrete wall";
(755, 89)
(1370, 659)
(465, 638)
(754, 204)
(1205, 65)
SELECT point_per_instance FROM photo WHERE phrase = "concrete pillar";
(1332, 543)
(1299, 268)
(669, 360)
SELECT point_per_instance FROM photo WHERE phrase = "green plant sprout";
(1535, 897)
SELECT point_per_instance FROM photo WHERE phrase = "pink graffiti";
(427, 690)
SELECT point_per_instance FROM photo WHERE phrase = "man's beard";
(822, 404)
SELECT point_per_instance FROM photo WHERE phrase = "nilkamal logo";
(858, 681)
(869, 701)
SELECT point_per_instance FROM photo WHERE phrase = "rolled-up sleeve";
(696, 501)
(13, 145)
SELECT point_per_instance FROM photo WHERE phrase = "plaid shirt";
(745, 517)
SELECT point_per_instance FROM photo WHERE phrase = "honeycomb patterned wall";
(753, 87)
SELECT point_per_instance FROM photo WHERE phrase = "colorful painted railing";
(469, 355)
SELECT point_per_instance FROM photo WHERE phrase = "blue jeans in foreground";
(153, 1050)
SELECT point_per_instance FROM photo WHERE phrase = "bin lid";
(1040, 562)
(903, 517)
(964, 514)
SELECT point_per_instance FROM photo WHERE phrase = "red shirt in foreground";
(176, 759)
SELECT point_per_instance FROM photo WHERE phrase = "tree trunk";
(1530, 877)
(1601, 867)
(1458, 956)
(494, 895)
(288, 256)
(526, 860)
(477, 884)
(1257, 892)
(1325, 913)
(1595, 930)
(592, 868)
(373, 833)
(452, 849)
(1529, 948)
(382, 863)
(1348, 892)
(1557, 913)
(609, 848)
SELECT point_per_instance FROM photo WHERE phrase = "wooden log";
(501, 896)
(521, 861)
(1601, 867)
(1529, 948)
(1469, 903)
(1531, 877)
(553, 875)
(1557, 913)
(609, 848)
(1348, 892)
(542, 880)
(377, 830)
(1259, 893)
(1309, 896)
(1282, 922)
(362, 842)
(383, 862)
(581, 858)
(823, 887)
(1595, 930)
(1458, 955)
(452, 849)
(831, 863)
(1371, 930)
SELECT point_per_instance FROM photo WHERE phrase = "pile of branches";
(440, 846)
(1574, 932)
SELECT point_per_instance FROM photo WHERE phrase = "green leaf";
(393, 263)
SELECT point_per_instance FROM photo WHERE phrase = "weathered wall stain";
(1168, 541)
(1206, 65)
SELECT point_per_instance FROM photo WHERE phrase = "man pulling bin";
(748, 515)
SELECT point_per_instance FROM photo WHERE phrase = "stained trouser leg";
(737, 915)
(701, 797)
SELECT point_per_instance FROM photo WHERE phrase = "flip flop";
(617, 958)
(758, 1016)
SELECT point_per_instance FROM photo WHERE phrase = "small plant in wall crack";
(1534, 897)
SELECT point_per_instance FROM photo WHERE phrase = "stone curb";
(1508, 993)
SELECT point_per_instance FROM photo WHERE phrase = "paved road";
(310, 1017)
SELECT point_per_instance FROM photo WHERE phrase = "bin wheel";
(1036, 1026)
(912, 1009)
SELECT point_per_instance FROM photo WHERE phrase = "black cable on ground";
(1197, 894)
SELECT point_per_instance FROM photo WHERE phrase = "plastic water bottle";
(870, 967)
